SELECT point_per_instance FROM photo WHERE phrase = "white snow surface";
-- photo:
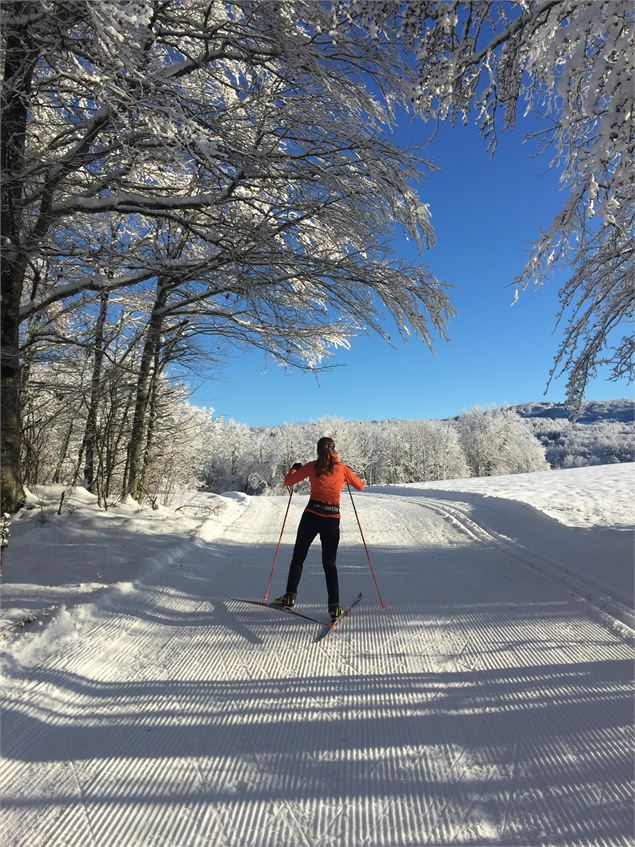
(600, 496)
(489, 703)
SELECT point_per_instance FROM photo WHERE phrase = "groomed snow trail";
(487, 704)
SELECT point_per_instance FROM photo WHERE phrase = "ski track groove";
(242, 663)
(608, 606)
(82, 804)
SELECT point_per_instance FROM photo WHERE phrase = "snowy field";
(489, 704)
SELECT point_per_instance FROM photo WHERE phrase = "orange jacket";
(325, 489)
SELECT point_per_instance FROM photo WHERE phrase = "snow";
(584, 497)
(491, 703)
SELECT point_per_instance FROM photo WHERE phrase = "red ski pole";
(370, 564)
(265, 596)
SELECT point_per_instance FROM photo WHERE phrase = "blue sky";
(486, 214)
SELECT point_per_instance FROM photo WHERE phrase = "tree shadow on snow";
(542, 750)
(471, 698)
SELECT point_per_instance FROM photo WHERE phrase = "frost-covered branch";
(570, 62)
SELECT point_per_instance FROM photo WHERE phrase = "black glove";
(297, 466)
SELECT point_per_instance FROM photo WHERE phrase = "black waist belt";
(323, 508)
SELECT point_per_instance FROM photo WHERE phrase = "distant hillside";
(602, 435)
(617, 411)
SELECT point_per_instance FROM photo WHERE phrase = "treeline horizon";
(193, 449)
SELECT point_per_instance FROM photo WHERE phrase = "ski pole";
(265, 596)
(370, 564)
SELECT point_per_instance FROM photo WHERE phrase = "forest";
(190, 448)
(184, 176)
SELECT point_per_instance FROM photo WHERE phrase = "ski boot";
(336, 612)
(285, 602)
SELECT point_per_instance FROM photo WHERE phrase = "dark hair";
(325, 460)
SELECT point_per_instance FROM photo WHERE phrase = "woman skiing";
(321, 517)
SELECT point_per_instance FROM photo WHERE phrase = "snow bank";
(69, 570)
(599, 496)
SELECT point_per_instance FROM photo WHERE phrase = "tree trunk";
(20, 58)
(90, 433)
(57, 476)
(152, 419)
(113, 441)
(152, 342)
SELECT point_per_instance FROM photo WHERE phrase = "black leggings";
(329, 531)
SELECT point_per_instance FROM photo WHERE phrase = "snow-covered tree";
(228, 453)
(417, 451)
(56, 410)
(239, 151)
(499, 441)
(181, 447)
(444, 455)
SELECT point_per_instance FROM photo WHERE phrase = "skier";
(321, 517)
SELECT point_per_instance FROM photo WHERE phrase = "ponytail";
(325, 461)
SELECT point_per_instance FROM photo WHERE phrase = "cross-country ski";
(275, 608)
(331, 625)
